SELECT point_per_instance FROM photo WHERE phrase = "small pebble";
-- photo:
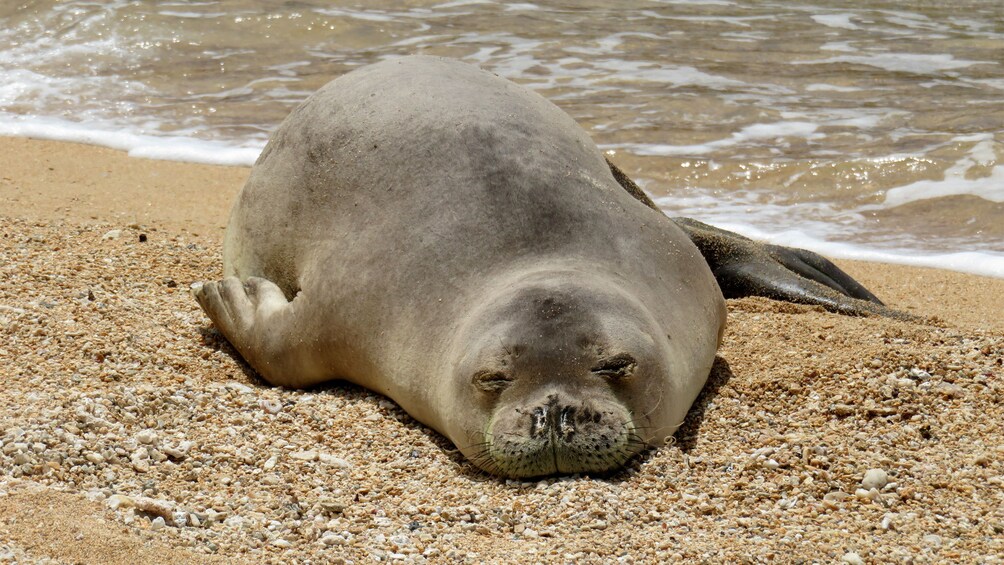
(874, 478)
(239, 387)
(333, 506)
(932, 539)
(852, 558)
(333, 461)
(887, 522)
(162, 508)
(179, 451)
(270, 463)
(950, 390)
(842, 409)
(157, 523)
(836, 496)
(270, 406)
(146, 437)
(330, 539)
(866, 494)
(117, 501)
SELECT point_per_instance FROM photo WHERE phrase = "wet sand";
(128, 422)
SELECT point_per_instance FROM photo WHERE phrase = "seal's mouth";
(556, 437)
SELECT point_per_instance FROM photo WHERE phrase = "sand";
(131, 432)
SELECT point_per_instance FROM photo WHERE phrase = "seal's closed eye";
(616, 366)
(491, 381)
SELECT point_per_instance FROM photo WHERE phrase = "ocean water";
(870, 130)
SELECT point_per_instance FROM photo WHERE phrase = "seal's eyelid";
(491, 381)
(616, 366)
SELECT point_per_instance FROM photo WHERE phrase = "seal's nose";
(557, 421)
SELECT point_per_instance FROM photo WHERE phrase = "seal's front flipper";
(744, 267)
(256, 319)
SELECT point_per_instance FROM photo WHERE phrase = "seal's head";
(563, 374)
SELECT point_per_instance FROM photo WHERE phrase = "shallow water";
(875, 130)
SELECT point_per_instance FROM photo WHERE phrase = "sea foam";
(169, 148)
(974, 262)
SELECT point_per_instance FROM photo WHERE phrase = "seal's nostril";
(566, 423)
(538, 422)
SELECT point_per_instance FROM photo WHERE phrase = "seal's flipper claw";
(769, 278)
(820, 269)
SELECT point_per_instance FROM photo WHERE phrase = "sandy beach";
(131, 432)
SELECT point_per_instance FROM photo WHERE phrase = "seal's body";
(454, 241)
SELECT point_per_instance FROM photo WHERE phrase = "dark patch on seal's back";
(520, 183)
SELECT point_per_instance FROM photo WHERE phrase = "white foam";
(989, 187)
(192, 15)
(459, 3)
(611, 43)
(745, 36)
(819, 86)
(366, 15)
(997, 83)
(170, 148)
(677, 76)
(914, 21)
(749, 133)
(916, 63)
(741, 21)
(956, 181)
(843, 46)
(521, 7)
(697, 2)
(973, 262)
(841, 21)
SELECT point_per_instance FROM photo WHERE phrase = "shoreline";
(222, 174)
(125, 411)
(83, 184)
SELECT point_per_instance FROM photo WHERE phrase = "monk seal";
(454, 241)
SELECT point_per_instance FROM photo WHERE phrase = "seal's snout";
(561, 434)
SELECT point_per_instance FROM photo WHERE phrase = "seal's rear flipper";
(744, 267)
